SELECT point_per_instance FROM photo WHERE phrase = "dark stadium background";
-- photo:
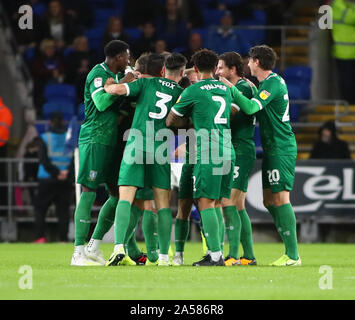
(305, 61)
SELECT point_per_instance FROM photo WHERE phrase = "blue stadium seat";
(212, 17)
(41, 127)
(81, 111)
(66, 108)
(94, 36)
(303, 73)
(102, 17)
(60, 91)
(298, 80)
(39, 9)
(29, 54)
(134, 33)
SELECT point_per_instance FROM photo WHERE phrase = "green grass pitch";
(53, 277)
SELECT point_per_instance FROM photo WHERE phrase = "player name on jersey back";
(213, 86)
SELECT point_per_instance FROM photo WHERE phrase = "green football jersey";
(276, 132)
(209, 104)
(154, 99)
(243, 125)
(100, 126)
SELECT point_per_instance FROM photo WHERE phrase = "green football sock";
(130, 240)
(165, 221)
(150, 231)
(287, 220)
(275, 217)
(82, 217)
(182, 228)
(221, 226)
(246, 236)
(211, 229)
(233, 227)
(106, 218)
(122, 219)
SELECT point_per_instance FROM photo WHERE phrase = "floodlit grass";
(54, 278)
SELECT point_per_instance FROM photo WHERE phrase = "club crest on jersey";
(92, 175)
(264, 94)
(98, 82)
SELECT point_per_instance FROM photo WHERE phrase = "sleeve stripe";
(96, 91)
(127, 89)
(259, 103)
(235, 106)
(177, 112)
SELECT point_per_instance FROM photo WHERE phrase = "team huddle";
(215, 109)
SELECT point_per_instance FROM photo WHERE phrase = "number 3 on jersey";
(161, 104)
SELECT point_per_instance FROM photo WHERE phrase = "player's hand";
(226, 82)
(109, 81)
(180, 151)
(250, 83)
(109, 88)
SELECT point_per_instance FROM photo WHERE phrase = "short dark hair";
(205, 60)
(115, 47)
(142, 62)
(233, 59)
(175, 61)
(266, 56)
(155, 63)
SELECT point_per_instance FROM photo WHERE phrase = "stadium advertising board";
(322, 187)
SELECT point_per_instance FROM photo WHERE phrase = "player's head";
(141, 63)
(205, 61)
(230, 65)
(155, 64)
(117, 52)
(192, 75)
(174, 65)
(261, 58)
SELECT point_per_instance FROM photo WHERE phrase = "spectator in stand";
(171, 27)
(146, 42)
(343, 33)
(78, 64)
(160, 46)
(58, 25)
(137, 12)
(47, 66)
(195, 44)
(55, 178)
(6, 119)
(114, 31)
(328, 145)
(81, 13)
(191, 12)
(225, 38)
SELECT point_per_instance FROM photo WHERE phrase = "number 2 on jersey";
(218, 118)
(161, 104)
(286, 116)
